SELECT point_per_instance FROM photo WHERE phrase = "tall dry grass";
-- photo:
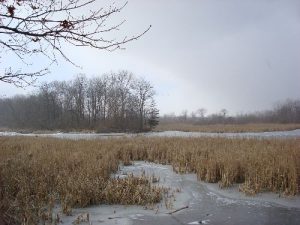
(225, 128)
(37, 173)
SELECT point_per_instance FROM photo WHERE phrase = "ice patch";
(8, 134)
(230, 201)
(136, 216)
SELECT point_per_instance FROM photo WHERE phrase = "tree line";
(111, 102)
(284, 112)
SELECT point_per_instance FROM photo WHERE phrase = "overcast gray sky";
(242, 55)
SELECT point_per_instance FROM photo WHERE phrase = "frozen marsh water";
(200, 203)
(87, 136)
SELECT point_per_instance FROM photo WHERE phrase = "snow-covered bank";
(273, 134)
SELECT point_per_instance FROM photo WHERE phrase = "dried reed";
(37, 173)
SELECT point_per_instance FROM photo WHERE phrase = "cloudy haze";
(235, 54)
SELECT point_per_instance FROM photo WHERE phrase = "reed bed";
(38, 173)
(225, 128)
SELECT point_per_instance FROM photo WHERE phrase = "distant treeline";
(284, 112)
(112, 102)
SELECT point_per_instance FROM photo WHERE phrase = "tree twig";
(177, 210)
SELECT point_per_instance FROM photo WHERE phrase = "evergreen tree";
(153, 119)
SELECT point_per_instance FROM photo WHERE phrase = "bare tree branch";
(21, 79)
(40, 27)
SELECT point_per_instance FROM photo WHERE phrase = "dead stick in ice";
(185, 207)
(115, 217)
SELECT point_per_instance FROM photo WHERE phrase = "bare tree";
(201, 112)
(184, 115)
(124, 81)
(78, 92)
(144, 92)
(41, 27)
(223, 112)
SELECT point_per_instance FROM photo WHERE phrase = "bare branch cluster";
(21, 79)
(40, 27)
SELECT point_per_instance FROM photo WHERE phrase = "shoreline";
(166, 134)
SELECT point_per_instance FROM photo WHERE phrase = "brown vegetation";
(225, 128)
(37, 173)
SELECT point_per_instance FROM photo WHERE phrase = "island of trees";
(109, 103)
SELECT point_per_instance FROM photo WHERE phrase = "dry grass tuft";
(38, 173)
